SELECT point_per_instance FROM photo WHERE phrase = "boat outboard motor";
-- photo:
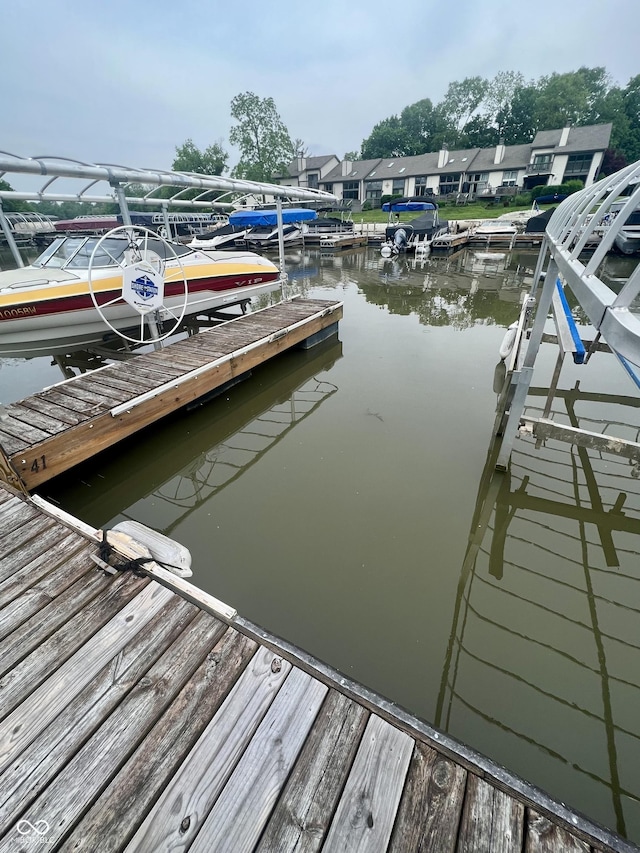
(400, 240)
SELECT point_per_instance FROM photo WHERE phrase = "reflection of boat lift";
(543, 482)
(569, 231)
(216, 469)
(299, 395)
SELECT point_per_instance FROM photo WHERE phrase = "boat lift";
(213, 192)
(563, 268)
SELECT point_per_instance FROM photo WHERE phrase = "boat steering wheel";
(148, 265)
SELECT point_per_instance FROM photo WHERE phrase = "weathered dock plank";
(33, 700)
(40, 555)
(545, 837)
(240, 813)
(97, 761)
(179, 814)
(18, 526)
(41, 762)
(153, 766)
(367, 809)
(34, 600)
(303, 813)
(492, 820)
(431, 806)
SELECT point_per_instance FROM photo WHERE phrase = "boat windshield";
(75, 252)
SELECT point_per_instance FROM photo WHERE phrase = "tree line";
(479, 112)
(475, 112)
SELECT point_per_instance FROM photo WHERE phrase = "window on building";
(450, 183)
(373, 190)
(510, 179)
(542, 162)
(327, 188)
(420, 185)
(398, 186)
(350, 189)
(478, 182)
(312, 180)
(578, 164)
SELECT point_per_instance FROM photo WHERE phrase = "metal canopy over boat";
(253, 218)
(127, 185)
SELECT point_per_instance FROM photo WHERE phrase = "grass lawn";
(454, 211)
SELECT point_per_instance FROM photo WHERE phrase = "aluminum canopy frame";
(577, 220)
(124, 188)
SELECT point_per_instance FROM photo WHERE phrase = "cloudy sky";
(125, 81)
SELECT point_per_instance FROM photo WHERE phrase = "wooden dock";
(335, 242)
(140, 714)
(52, 431)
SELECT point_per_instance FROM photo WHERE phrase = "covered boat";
(406, 236)
(262, 225)
(82, 289)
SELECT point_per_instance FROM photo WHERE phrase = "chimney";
(563, 137)
(499, 155)
(302, 163)
(443, 156)
(347, 165)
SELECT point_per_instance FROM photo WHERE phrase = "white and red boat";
(72, 296)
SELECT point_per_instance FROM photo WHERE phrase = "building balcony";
(543, 168)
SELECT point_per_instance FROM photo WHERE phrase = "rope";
(106, 550)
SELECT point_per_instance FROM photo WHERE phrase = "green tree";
(517, 121)
(500, 92)
(563, 100)
(479, 132)
(387, 139)
(211, 161)
(462, 100)
(265, 146)
(425, 127)
(631, 102)
(11, 205)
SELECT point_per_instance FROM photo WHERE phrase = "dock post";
(526, 373)
(283, 276)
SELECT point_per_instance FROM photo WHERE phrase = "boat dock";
(334, 242)
(48, 433)
(141, 714)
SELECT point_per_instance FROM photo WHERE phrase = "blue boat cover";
(402, 206)
(270, 217)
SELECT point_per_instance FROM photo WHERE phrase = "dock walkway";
(140, 714)
(52, 431)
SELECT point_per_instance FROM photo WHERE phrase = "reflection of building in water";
(542, 661)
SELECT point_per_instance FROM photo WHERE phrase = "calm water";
(341, 498)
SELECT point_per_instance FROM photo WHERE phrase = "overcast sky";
(126, 81)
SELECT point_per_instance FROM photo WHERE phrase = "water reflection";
(546, 623)
(460, 290)
(216, 448)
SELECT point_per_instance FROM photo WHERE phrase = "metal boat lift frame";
(571, 227)
(121, 180)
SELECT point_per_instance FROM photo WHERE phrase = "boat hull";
(59, 316)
